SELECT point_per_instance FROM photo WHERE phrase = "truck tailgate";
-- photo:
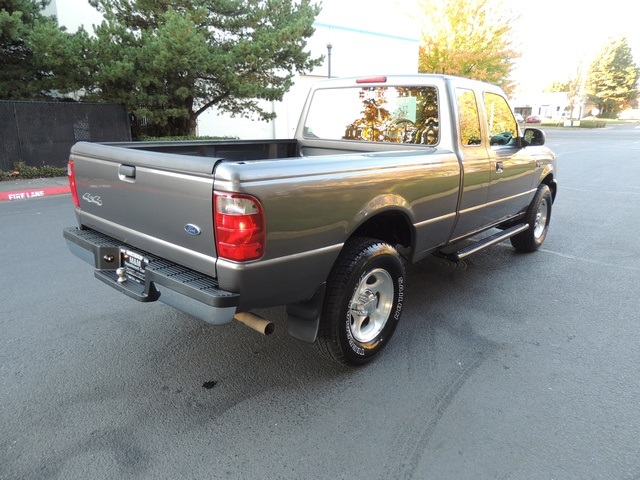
(158, 202)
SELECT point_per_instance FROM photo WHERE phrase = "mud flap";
(303, 318)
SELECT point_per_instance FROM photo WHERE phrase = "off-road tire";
(363, 301)
(538, 216)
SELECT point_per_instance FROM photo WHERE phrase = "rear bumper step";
(486, 242)
(180, 287)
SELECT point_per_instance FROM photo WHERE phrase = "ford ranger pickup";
(383, 171)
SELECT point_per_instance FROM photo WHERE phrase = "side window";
(375, 114)
(468, 118)
(502, 126)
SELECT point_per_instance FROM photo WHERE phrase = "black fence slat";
(9, 143)
(42, 133)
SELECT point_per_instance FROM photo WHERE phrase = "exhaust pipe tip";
(256, 322)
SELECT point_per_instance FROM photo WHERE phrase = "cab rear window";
(375, 114)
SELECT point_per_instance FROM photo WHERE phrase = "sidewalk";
(14, 190)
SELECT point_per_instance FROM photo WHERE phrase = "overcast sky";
(553, 35)
(556, 35)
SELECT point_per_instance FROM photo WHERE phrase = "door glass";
(502, 126)
(468, 118)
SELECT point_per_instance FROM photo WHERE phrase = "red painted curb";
(33, 193)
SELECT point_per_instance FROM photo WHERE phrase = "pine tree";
(20, 76)
(39, 60)
(168, 61)
(612, 81)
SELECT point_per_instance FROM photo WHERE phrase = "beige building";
(553, 105)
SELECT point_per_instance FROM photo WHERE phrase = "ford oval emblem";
(192, 229)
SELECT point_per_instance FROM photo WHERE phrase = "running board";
(486, 242)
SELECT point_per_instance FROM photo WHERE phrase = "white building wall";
(220, 124)
(367, 38)
(546, 104)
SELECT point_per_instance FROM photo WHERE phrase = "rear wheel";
(538, 216)
(363, 301)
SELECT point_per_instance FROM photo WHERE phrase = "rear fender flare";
(382, 203)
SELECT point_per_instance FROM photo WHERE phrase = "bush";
(548, 122)
(592, 124)
(22, 171)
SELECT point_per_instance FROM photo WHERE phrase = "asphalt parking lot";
(506, 366)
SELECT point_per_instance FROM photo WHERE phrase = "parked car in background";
(519, 118)
(533, 119)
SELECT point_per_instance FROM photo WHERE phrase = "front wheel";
(363, 301)
(538, 216)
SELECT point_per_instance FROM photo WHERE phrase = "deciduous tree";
(168, 61)
(612, 80)
(469, 38)
(558, 87)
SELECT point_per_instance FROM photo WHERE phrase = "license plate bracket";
(134, 264)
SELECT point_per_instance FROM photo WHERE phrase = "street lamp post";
(329, 47)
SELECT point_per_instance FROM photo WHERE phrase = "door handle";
(499, 167)
(127, 171)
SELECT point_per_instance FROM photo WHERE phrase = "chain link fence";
(42, 133)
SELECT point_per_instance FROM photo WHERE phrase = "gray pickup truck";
(382, 171)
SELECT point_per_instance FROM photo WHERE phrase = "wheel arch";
(390, 226)
(550, 181)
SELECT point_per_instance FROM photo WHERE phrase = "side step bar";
(486, 242)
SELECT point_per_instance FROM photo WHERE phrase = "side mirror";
(534, 137)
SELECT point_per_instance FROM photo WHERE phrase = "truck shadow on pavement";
(172, 376)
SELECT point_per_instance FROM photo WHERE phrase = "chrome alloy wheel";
(371, 304)
(541, 219)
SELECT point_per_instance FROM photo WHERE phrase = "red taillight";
(71, 174)
(239, 226)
